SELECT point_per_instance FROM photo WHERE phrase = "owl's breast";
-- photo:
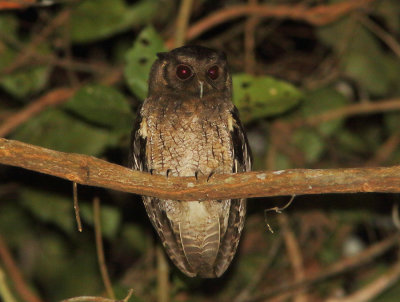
(185, 142)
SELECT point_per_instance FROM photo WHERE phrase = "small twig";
(182, 22)
(100, 249)
(277, 210)
(344, 265)
(29, 50)
(98, 299)
(375, 288)
(5, 292)
(15, 274)
(346, 111)
(294, 253)
(387, 38)
(52, 98)
(76, 206)
(250, 41)
(385, 150)
(257, 277)
(317, 15)
(163, 290)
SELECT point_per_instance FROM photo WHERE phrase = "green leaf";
(102, 105)
(57, 130)
(321, 100)
(140, 58)
(27, 82)
(259, 97)
(99, 19)
(50, 208)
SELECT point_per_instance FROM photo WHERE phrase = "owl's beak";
(201, 88)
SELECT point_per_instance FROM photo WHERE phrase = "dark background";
(303, 59)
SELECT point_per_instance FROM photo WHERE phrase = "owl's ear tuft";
(162, 55)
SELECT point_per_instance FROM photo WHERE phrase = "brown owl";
(188, 126)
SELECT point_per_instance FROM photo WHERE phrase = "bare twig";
(5, 292)
(375, 288)
(294, 253)
(385, 150)
(387, 38)
(76, 206)
(317, 15)
(350, 110)
(277, 210)
(250, 41)
(15, 274)
(52, 98)
(338, 267)
(182, 22)
(163, 291)
(88, 170)
(28, 51)
(257, 277)
(100, 249)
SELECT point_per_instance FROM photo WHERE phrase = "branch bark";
(91, 171)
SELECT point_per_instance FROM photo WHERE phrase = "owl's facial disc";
(193, 72)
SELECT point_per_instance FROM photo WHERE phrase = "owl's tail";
(201, 245)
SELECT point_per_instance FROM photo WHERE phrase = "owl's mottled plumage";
(188, 126)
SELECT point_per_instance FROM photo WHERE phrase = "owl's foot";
(209, 175)
(154, 171)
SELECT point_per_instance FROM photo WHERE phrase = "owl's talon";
(168, 172)
(151, 171)
(196, 175)
(209, 175)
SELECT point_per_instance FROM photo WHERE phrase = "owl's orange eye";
(213, 72)
(183, 72)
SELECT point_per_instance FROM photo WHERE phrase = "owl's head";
(195, 71)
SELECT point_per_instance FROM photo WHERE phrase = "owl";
(188, 126)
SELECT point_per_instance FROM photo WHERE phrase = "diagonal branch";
(88, 170)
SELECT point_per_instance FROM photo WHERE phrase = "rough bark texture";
(91, 171)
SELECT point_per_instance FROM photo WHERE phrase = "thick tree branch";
(91, 171)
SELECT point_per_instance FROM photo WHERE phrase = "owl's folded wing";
(241, 163)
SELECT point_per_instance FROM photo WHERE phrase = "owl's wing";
(241, 163)
(241, 150)
(158, 217)
(137, 152)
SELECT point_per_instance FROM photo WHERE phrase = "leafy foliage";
(259, 97)
(140, 58)
(303, 72)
